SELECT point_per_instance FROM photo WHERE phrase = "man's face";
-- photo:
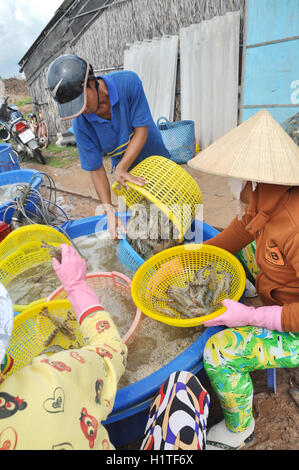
(91, 98)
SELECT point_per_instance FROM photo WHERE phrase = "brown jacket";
(272, 219)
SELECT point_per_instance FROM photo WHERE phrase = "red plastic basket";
(102, 280)
(5, 229)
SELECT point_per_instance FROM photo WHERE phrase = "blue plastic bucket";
(13, 177)
(9, 159)
(126, 423)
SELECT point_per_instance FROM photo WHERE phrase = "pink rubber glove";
(72, 274)
(238, 314)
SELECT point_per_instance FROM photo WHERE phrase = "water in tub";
(153, 346)
(7, 190)
(101, 254)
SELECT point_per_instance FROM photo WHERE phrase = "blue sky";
(21, 22)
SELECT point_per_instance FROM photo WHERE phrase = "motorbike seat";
(4, 113)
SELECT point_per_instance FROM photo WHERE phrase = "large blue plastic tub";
(9, 159)
(78, 228)
(13, 177)
(126, 423)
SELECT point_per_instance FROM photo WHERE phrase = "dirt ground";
(17, 90)
(276, 415)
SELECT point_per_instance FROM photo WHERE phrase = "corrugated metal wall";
(209, 70)
(209, 58)
(155, 61)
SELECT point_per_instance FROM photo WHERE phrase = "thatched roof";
(69, 21)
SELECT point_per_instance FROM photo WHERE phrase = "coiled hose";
(45, 210)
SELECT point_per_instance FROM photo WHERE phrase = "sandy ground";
(276, 415)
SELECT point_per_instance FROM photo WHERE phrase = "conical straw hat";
(257, 150)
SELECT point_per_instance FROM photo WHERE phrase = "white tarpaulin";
(209, 67)
(155, 61)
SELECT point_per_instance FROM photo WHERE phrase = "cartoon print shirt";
(60, 401)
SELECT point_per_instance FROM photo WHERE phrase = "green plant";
(20, 103)
(60, 157)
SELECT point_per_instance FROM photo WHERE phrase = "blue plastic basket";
(14, 177)
(9, 159)
(128, 256)
(178, 138)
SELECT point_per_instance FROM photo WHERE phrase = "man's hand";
(121, 176)
(133, 150)
(115, 226)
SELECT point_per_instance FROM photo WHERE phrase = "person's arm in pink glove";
(72, 274)
(238, 314)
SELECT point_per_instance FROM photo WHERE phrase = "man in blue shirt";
(111, 119)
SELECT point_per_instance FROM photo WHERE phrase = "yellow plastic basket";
(177, 266)
(31, 330)
(24, 250)
(30, 233)
(168, 186)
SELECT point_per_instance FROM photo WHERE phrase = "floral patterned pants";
(233, 353)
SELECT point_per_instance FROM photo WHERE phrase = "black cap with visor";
(67, 80)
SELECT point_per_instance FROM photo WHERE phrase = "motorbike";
(14, 126)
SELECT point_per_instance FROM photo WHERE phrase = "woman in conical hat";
(262, 162)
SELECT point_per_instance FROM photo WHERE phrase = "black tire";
(39, 156)
(22, 155)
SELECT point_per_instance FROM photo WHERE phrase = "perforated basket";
(177, 266)
(179, 138)
(103, 280)
(30, 233)
(128, 256)
(31, 330)
(22, 249)
(168, 186)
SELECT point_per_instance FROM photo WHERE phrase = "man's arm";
(134, 148)
(102, 187)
